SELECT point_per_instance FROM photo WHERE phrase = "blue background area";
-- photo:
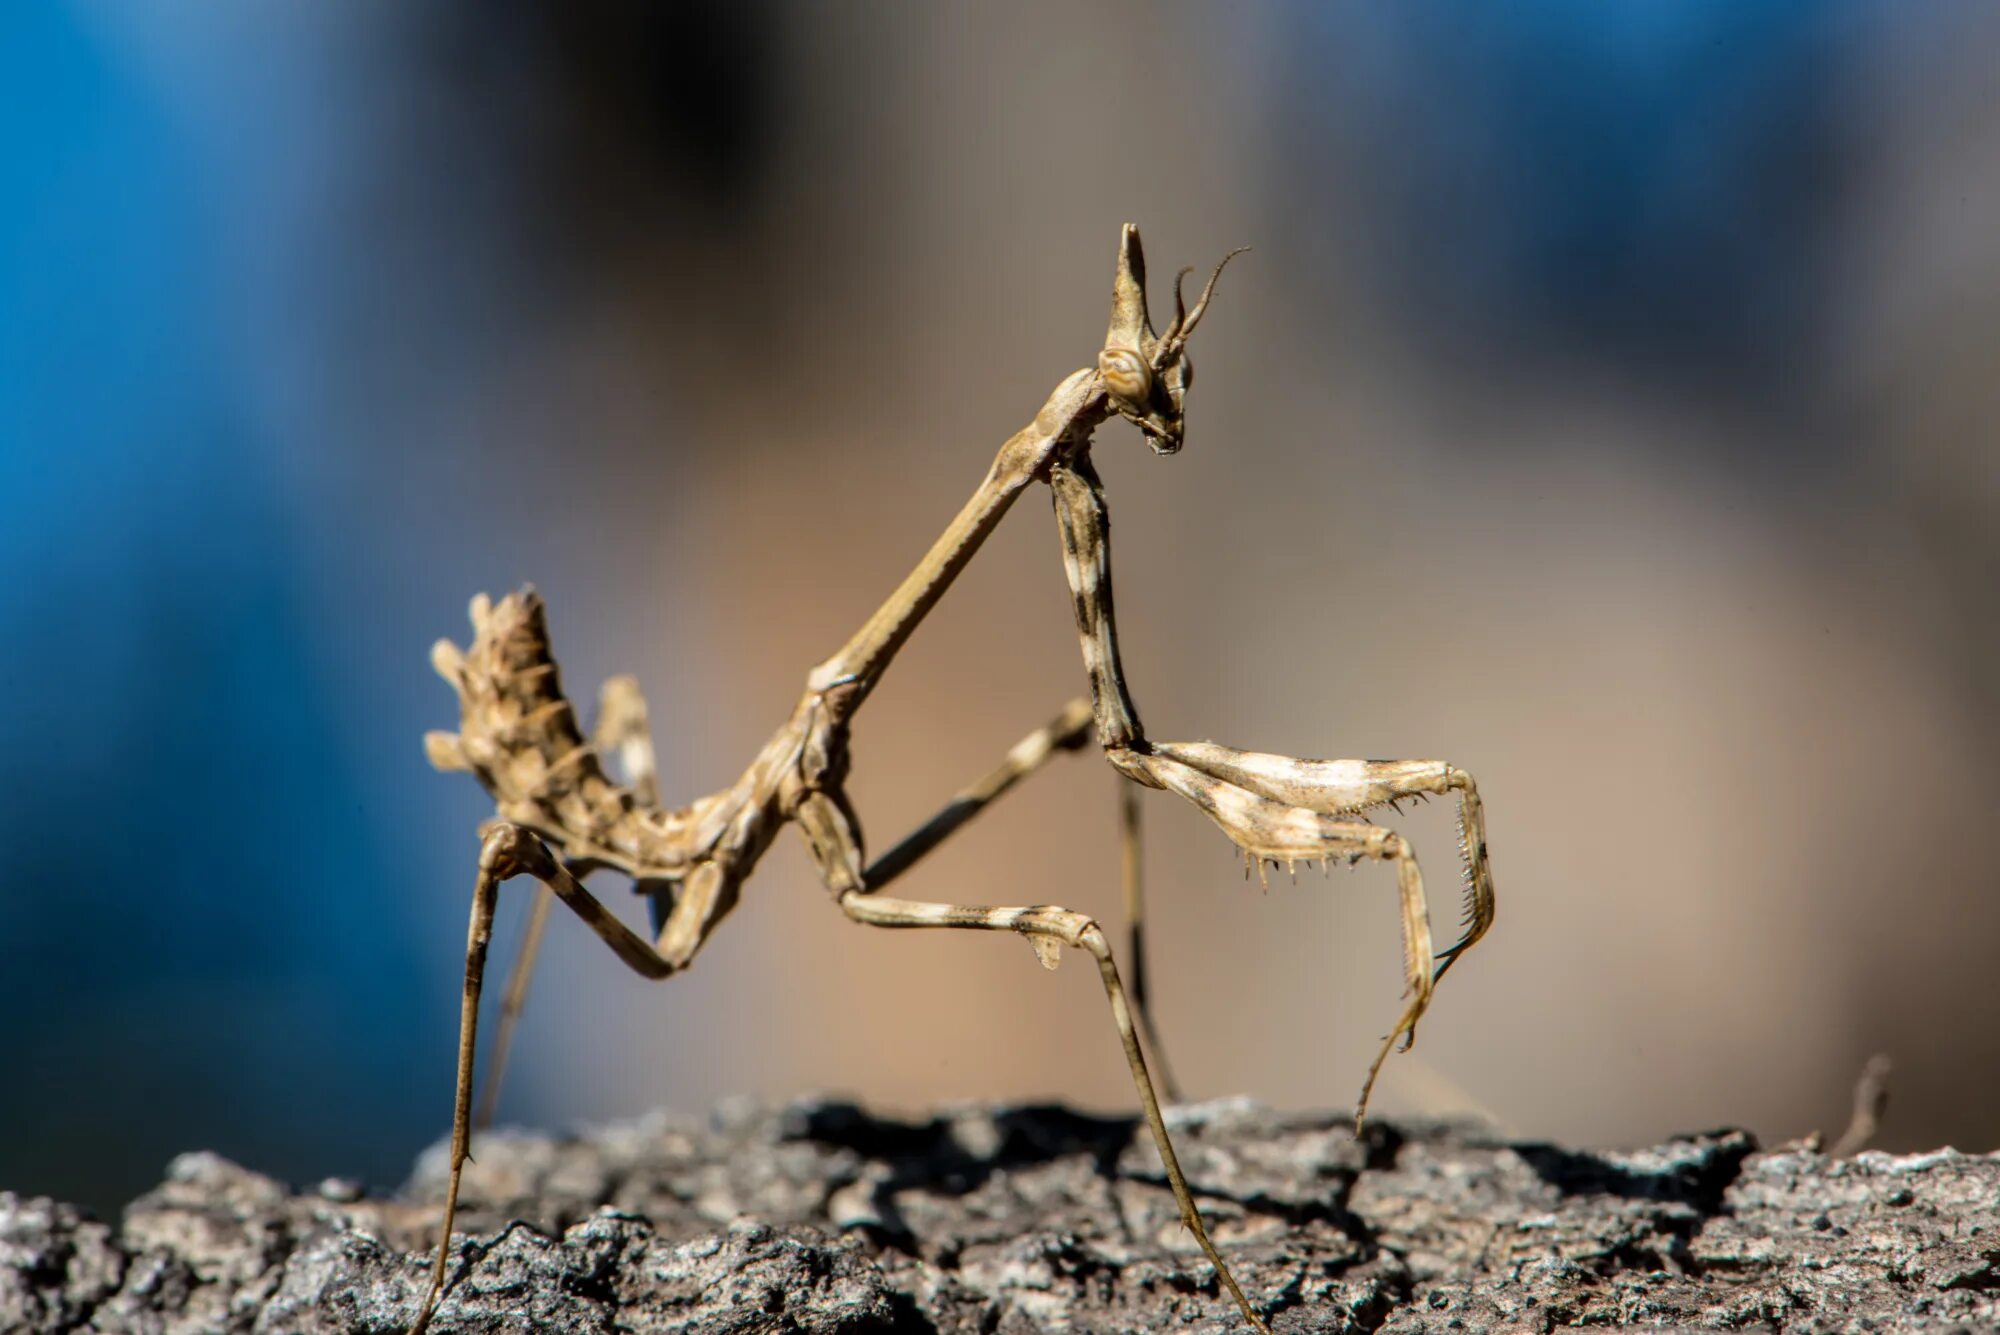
(191, 901)
(1647, 188)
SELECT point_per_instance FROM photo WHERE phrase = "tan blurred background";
(1605, 408)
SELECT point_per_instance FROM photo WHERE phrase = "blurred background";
(1607, 407)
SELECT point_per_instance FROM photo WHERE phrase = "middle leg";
(1129, 859)
(1048, 928)
(1068, 731)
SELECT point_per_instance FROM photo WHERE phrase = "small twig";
(1871, 1098)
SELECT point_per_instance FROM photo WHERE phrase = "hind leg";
(621, 733)
(506, 852)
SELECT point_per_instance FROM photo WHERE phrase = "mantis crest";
(561, 814)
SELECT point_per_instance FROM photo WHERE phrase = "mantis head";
(1147, 375)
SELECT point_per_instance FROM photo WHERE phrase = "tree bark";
(819, 1217)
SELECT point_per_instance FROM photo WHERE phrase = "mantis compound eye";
(1126, 374)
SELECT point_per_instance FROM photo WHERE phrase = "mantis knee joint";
(508, 850)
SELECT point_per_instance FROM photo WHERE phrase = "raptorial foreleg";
(1352, 787)
(1275, 808)
(1272, 823)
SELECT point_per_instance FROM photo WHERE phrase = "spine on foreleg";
(518, 732)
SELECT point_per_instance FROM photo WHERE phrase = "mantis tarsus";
(561, 815)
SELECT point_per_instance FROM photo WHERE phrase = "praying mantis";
(560, 813)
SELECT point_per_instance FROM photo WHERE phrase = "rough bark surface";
(819, 1217)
